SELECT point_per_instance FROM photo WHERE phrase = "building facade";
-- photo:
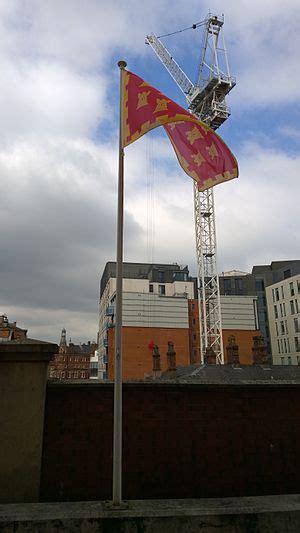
(72, 361)
(160, 306)
(239, 319)
(283, 301)
(243, 283)
(155, 309)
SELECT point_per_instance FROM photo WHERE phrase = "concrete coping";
(176, 383)
(36, 512)
(27, 350)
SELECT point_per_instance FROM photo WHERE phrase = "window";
(292, 291)
(238, 285)
(227, 285)
(289, 360)
(281, 313)
(161, 289)
(278, 343)
(194, 337)
(282, 292)
(296, 306)
(275, 311)
(276, 326)
(297, 344)
(273, 295)
(288, 345)
(281, 345)
(259, 285)
(282, 360)
(298, 286)
(179, 276)
(277, 294)
(296, 325)
(150, 287)
(285, 350)
(286, 274)
(161, 276)
(193, 306)
(194, 321)
(282, 330)
(298, 359)
(284, 312)
(286, 328)
(292, 307)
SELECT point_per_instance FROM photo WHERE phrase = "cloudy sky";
(59, 149)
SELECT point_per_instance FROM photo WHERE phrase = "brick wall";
(179, 441)
(244, 340)
(137, 357)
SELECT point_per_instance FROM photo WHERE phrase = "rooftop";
(240, 374)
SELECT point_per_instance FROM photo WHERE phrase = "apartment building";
(242, 283)
(160, 305)
(155, 310)
(283, 301)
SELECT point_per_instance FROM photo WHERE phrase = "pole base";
(116, 507)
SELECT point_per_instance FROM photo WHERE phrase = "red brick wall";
(137, 357)
(244, 340)
(179, 441)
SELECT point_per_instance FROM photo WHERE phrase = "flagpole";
(117, 446)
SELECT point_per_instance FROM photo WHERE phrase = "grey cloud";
(59, 230)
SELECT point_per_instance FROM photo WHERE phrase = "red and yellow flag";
(202, 154)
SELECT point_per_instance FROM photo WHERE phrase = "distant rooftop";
(234, 273)
(141, 271)
(240, 374)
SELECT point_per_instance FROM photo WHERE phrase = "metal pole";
(117, 451)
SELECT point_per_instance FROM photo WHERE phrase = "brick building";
(72, 361)
(10, 330)
(159, 306)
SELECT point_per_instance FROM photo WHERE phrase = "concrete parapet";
(23, 375)
(264, 514)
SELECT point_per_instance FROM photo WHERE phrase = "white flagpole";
(117, 449)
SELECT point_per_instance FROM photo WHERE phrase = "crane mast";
(206, 100)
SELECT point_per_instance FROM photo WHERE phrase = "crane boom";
(183, 82)
(206, 100)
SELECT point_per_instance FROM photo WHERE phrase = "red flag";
(202, 154)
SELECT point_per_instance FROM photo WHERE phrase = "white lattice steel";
(206, 100)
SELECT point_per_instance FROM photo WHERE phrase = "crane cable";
(193, 27)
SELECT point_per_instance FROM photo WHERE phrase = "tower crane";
(206, 100)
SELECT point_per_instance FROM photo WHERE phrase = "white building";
(283, 301)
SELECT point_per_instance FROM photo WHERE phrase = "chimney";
(156, 362)
(171, 360)
(232, 351)
(259, 351)
(210, 356)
